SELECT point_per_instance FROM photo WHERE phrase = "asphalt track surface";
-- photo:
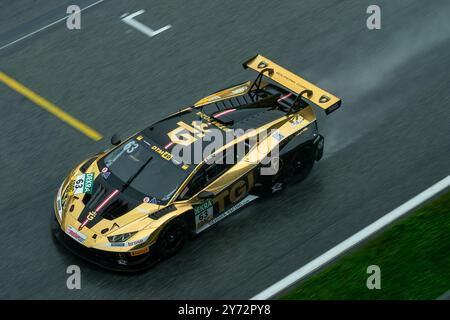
(388, 142)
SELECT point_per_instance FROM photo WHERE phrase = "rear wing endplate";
(305, 90)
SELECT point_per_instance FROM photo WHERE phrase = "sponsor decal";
(154, 201)
(135, 242)
(211, 98)
(278, 136)
(237, 206)
(211, 211)
(203, 212)
(126, 244)
(235, 193)
(67, 193)
(239, 90)
(166, 155)
(205, 205)
(147, 143)
(131, 146)
(186, 134)
(70, 188)
(117, 244)
(184, 167)
(84, 183)
(75, 234)
(297, 121)
(211, 120)
(91, 216)
(105, 173)
(139, 138)
(139, 252)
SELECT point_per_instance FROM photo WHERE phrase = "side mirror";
(115, 140)
(205, 195)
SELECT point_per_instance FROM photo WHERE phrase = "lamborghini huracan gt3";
(137, 203)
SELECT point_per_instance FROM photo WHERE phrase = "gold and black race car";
(130, 206)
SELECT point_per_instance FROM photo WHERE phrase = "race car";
(139, 202)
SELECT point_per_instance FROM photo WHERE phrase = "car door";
(216, 188)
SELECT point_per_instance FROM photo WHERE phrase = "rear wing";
(305, 90)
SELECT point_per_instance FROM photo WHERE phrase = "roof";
(193, 127)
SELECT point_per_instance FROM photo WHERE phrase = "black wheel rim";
(301, 165)
(298, 163)
(172, 240)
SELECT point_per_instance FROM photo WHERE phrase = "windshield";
(147, 167)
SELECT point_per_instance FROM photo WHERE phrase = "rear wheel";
(300, 165)
(172, 238)
(293, 168)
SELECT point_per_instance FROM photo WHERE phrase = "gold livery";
(124, 224)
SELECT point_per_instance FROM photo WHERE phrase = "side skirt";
(226, 213)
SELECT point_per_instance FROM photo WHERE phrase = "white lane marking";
(48, 26)
(353, 240)
(128, 19)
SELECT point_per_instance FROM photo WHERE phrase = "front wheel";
(172, 238)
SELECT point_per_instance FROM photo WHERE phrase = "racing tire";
(300, 164)
(172, 238)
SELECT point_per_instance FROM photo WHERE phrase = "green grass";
(413, 255)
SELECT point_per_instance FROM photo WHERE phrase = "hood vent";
(116, 209)
(117, 206)
(92, 200)
(158, 214)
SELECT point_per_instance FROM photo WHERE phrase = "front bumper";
(114, 261)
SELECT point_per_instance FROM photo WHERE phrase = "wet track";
(388, 142)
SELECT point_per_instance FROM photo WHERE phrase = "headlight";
(58, 202)
(62, 197)
(121, 237)
(68, 192)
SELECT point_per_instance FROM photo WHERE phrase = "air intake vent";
(158, 214)
(94, 199)
(86, 165)
(116, 209)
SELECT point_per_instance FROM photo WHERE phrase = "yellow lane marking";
(50, 107)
